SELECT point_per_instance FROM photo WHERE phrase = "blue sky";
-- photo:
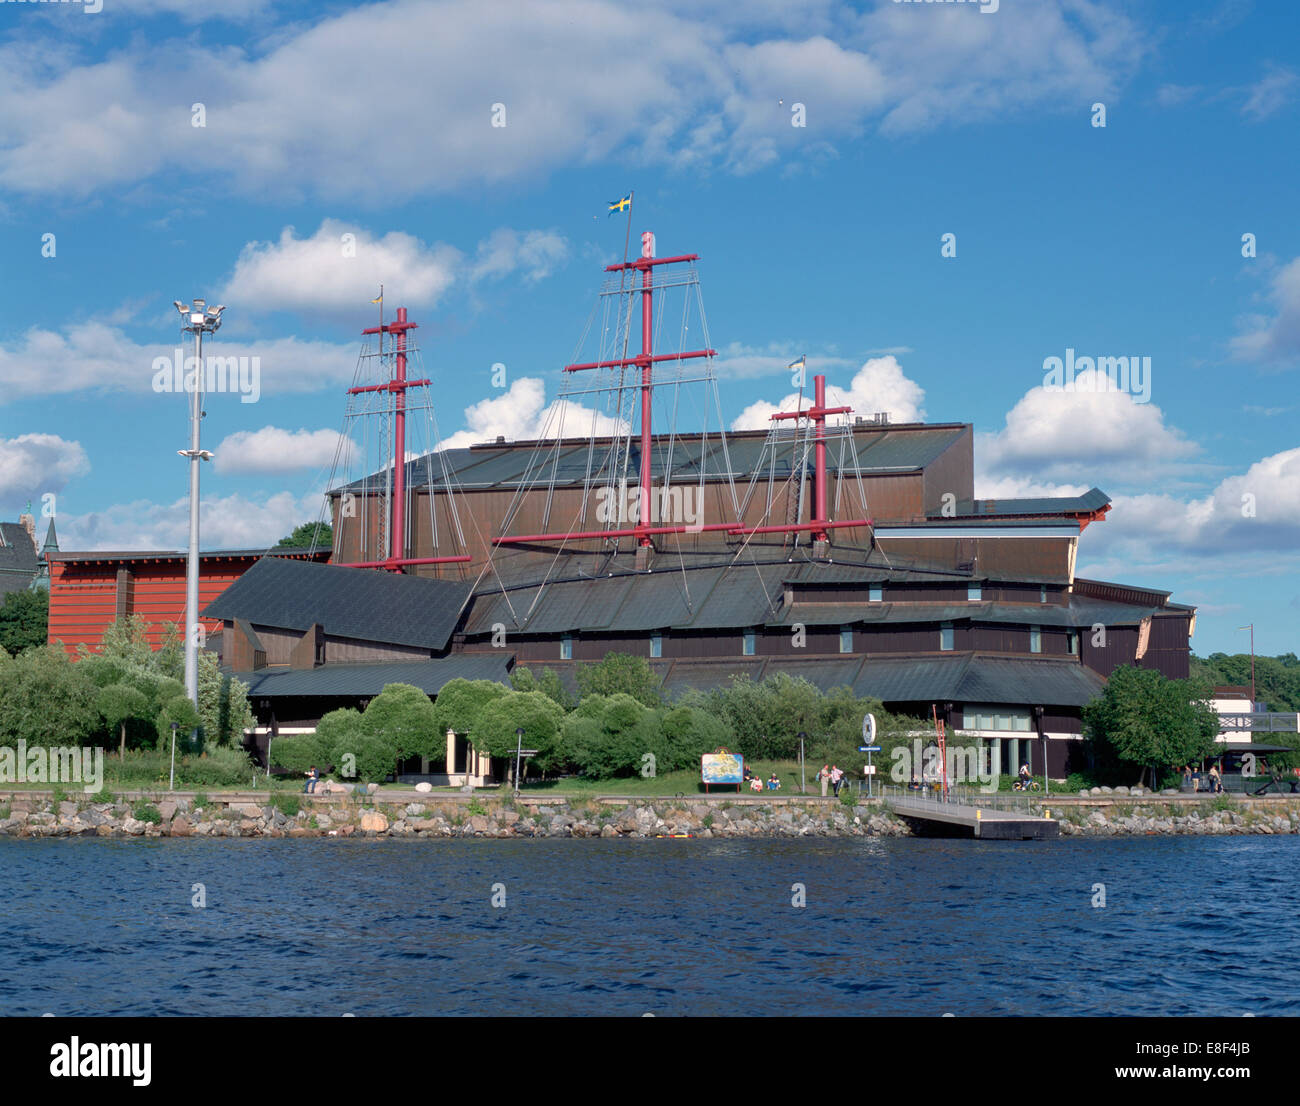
(921, 120)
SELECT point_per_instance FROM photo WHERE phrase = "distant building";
(20, 559)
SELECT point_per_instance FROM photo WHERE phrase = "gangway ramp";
(985, 817)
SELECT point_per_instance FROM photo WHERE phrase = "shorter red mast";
(397, 386)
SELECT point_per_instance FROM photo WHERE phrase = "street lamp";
(197, 320)
(171, 785)
(803, 782)
(519, 748)
(1251, 628)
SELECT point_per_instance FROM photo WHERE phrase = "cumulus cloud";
(1275, 338)
(225, 522)
(521, 413)
(1053, 433)
(274, 450)
(339, 266)
(97, 357)
(33, 465)
(879, 385)
(1251, 517)
(695, 88)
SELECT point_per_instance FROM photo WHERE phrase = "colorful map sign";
(722, 767)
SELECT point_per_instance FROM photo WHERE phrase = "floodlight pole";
(519, 749)
(803, 780)
(171, 785)
(196, 320)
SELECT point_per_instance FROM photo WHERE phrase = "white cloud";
(1053, 434)
(273, 450)
(1277, 338)
(521, 413)
(1249, 517)
(225, 522)
(1022, 487)
(535, 253)
(741, 362)
(693, 89)
(95, 357)
(1270, 93)
(879, 385)
(329, 271)
(32, 465)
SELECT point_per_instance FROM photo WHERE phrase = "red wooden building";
(88, 591)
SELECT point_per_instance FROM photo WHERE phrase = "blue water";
(1205, 926)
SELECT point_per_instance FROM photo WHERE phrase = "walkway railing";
(963, 795)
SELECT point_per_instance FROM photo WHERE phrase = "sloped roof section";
(344, 680)
(979, 678)
(1092, 500)
(347, 602)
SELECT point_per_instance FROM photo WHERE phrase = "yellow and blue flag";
(379, 298)
(620, 205)
(798, 364)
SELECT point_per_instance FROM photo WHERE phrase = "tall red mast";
(397, 386)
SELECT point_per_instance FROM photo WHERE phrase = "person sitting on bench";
(309, 788)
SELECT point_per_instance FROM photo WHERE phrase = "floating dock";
(985, 822)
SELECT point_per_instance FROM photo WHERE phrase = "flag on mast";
(620, 205)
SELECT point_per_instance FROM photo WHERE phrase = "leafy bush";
(610, 736)
(144, 811)
(46, 699)
(298, 752)
(217, 768)
(538, 716)
(548, 682)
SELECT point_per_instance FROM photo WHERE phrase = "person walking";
(837, 778)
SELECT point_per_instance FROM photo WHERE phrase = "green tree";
(460, 702)
(46, 699)
(404, 716)
(223, 703)
(1146, 721)
(538, 716)
(548, 682)
(620, 673)
(338, 734)
(119, 704)
(24, 620)
(307, 535)
(180, 710)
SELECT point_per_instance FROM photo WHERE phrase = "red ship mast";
(397, 387)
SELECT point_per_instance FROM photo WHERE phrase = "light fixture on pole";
(196, 319)
(171, 786)
(519, 748)
(1251, 628)
(803, 782)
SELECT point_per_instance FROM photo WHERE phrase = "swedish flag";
(620, 205)
(379, 298)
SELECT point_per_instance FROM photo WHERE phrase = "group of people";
(832, 775)
(1213, 779)
(756, 782)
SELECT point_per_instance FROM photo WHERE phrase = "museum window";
(656, 645)
(846, 639)
(1035, 639)
(751, 639)
(945, 637)
(1072, 638)
(974, 593)
(875, 593)
(1042, 594)
(566, 648)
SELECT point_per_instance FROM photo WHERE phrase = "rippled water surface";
(1190, 926)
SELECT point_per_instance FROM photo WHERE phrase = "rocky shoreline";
(26, 816)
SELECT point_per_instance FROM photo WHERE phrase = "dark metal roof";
(346, 602)
(314, 552)
(19, 560)
(1092, 500)
(573, 461)
(960, 677)
(342, 680)
(979, 678)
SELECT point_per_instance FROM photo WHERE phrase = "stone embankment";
(26, 814)
(488, 817)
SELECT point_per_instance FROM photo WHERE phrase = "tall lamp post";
(197, 320)
(1251, 628)
(803, 781)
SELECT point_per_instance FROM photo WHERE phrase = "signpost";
(869, 746)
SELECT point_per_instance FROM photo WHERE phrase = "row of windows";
(749, 642)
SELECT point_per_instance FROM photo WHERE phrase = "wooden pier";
(985, 822)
